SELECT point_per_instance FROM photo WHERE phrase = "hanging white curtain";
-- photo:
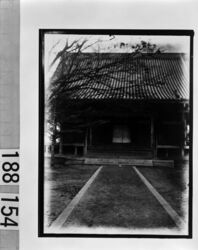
(121, 134)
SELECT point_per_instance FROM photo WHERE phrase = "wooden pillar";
(156, 140)
(75, 150)
(152, 132)
(85, 143)
(90, 136)
(156, 143)
(153, 138)
(183, 134)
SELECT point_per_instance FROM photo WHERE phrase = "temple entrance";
(129, 139)
(134, 133)
(121, 134)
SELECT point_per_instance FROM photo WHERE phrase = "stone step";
(117, 152)
(118, 149)
(110, 148)
(114, 161)
(133, 162)
(124, 150)
(114, 154)
(103, 156)
(163, 163)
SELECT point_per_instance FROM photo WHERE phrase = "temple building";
(119, 107)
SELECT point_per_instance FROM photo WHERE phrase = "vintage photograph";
(115, 133)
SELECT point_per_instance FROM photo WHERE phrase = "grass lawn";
(171, 183)
(62, 183)
(118, 198)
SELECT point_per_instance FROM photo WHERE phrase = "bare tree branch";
(78, 72)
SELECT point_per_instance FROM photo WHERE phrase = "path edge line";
(172, 213)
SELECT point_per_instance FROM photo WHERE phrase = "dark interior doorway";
(135, 133)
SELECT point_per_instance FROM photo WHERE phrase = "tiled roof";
(125, 76)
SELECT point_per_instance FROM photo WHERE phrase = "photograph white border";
(88, 15)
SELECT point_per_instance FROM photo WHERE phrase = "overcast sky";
(110, 44)
(107, 43)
